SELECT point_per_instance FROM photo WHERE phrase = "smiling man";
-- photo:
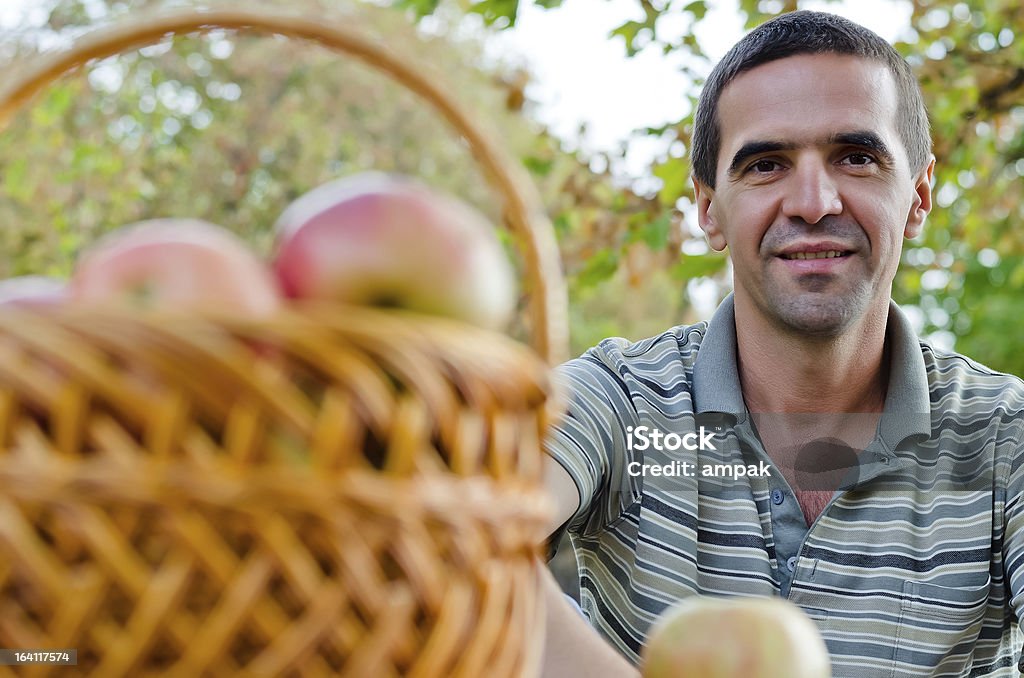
(889, 504)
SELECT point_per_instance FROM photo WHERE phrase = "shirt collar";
(908, 400)
(716, 381)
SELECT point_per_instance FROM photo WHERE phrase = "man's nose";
(812, 194)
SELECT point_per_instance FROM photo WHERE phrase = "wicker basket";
(333, 491)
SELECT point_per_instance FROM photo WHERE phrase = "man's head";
(806, 32)
(811, 184)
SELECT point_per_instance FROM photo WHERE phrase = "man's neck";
(786, 372)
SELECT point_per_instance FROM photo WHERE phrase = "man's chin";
(819, 315)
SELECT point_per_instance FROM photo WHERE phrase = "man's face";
(814, 193)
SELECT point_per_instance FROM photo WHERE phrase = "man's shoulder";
(656, 369)
(676, 346)
(954, 378)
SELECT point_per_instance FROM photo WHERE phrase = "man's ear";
(706, 219)
(922, 201)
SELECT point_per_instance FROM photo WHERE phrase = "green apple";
(704, 637)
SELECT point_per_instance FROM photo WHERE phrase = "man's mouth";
(826, 254)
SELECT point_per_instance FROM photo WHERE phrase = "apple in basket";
(177, 265)
(705, 637)
(386, 240)
(33, 291)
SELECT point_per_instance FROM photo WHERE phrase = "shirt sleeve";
(1013, 521)
(590, 441)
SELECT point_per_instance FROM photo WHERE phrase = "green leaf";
(674, 174)
(539, 166)
(654, 233)
(658, 231)
(494, 10)
(562, 224)
(421, 8)
(698, 9)
(629, 32)
(698, 266)
(657, 131)
(598, 268)
(548, 4)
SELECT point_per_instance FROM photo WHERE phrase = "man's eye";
(858, 159)
(764, 166)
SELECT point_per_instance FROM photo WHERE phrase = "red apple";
(385, 240)
(33, 291)
(175, 264)
(735, 638)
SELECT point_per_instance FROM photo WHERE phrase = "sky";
(583, 77)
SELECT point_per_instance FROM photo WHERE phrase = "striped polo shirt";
(914, 568)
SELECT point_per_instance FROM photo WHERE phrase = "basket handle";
(548, 302)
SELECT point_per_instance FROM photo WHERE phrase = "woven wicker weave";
(333, 491)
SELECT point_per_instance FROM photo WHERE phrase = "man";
(881, 478)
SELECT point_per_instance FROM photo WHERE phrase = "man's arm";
(572, 648)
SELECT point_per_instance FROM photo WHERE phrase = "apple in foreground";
(386, 240)
(704, 637)
(177, 265)
(33, 291)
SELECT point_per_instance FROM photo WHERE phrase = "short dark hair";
(806, 32)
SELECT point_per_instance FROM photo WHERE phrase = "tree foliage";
(965, 274)
(230, 128)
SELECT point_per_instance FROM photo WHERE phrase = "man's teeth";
(828, 254)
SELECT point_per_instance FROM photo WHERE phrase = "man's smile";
(815, 264)
(824, 254)
(816, 257)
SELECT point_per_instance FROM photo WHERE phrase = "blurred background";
(595, 97)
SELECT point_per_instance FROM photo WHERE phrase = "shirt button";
(791, 563)
(777, 496)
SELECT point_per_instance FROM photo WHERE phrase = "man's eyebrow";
(864, 139)
(752, 148)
